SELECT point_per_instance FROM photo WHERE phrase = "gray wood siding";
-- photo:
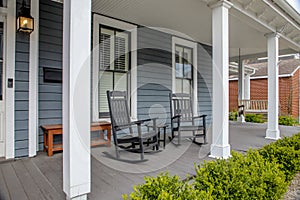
(154, 71)
(21, 92)
(50, 56)
(205, 81)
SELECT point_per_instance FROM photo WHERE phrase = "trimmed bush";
(241, 177)
(165, 187)
(287, 120)
(233, 115)
(259, 174)
(286, 153)
(256, 118)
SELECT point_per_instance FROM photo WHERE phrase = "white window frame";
(97, 20)
(192, 45)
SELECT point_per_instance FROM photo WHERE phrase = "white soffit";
(193, 18)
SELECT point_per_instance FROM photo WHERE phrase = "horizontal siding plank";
(21, 125)
(21, 115)
(21, 144)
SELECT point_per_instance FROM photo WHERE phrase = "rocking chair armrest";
(176, 116)
(200, 116)
(138, 122)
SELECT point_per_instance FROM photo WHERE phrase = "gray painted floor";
(41, 177)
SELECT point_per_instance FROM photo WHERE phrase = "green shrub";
(256, 118)
(259, 174)
(287, 120)
(286, 153)
(241, 177)
(165, 187)
(233, 115)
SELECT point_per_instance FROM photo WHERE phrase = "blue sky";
(295, 4)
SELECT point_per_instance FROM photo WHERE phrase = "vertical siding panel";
(50, 56)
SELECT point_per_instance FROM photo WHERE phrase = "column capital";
(272, 34)
(220, 3)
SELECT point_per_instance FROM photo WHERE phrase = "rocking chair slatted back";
(181, 105)
(119, 110)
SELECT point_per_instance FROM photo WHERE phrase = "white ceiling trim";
(279, 16)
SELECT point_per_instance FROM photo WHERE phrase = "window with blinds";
(184, 66)
(114, 61)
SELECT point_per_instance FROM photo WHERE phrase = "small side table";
(159, 127)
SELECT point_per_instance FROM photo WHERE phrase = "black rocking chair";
(123, 128)
(183, 119)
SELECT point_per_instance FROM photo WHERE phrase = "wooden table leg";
(50, 144)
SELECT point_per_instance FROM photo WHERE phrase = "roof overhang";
(249, 21)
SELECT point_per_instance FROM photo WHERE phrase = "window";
(184, 73)
(114, 63)
(184, 66)
(3, 3)
(114, 60)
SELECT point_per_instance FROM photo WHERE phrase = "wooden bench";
(254, 106)
(56, 129)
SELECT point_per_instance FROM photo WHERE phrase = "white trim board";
(264, 77)
(194, 46)
(99, 19)
(10, 73)
(33, 82)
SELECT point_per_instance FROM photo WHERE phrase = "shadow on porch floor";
(41, 177)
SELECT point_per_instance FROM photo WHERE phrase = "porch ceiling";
(247, 22)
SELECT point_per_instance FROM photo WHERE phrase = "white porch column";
(220, 147)
(241, 80)
(33, 81)
(247, 87)
(273, 98)
(76, 98)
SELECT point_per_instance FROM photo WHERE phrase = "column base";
(217, 151)
(82, 197)
(272, 134)
(241, 119)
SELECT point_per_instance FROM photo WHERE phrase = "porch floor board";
(41, 177)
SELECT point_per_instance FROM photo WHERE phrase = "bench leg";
(45, 142)
(50, 144)
(108, 137)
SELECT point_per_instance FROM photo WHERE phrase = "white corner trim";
(99, 19)
(10, 73)
(194, 46)
(33, 81)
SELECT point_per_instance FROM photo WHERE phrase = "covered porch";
(234, 29)
(215, 32)
(41, 177)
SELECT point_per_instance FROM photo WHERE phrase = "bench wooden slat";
(254, 106)
(57, 129)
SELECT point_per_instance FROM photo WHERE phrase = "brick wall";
(285, 95)
(288, 93)
(233, 95)
(295, 99)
